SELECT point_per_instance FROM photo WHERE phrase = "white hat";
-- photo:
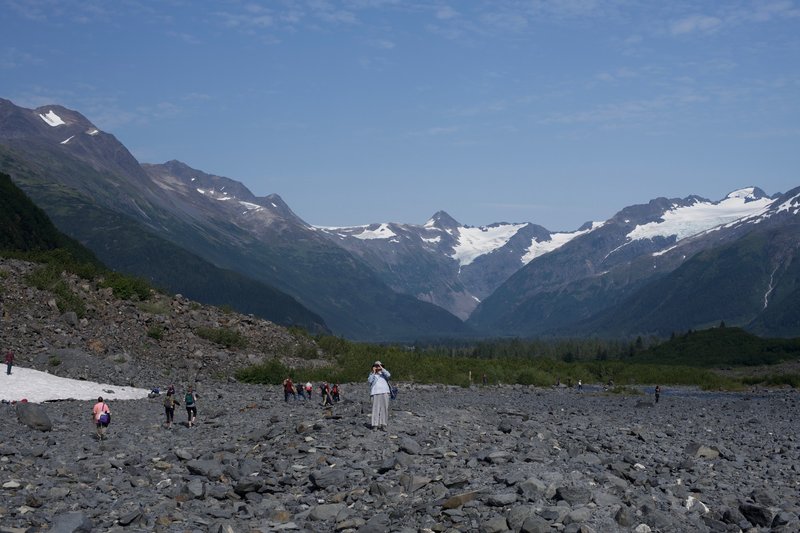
(377, 363)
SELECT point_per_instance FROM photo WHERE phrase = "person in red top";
(288, 388)
(101, 415)
(9, 361)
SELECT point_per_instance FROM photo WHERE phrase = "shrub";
(223, 336)
(54, 361)
(48, 278)
(156, 332)
(272, 372)
(127, 287)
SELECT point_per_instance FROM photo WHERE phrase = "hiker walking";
(658, 392)
(101, 416)
(190, 400)
(325, 390)
(9, 361)
(169, 406)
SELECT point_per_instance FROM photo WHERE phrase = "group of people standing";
(380, 392)
(329, 393)
(101, 412)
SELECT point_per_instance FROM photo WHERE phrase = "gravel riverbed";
(453, 459)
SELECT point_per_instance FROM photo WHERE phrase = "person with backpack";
(190, 400)
(169, 406)
(379, 391)
(101, 416)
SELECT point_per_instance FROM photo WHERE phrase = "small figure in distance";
(300, 390)
(485, 380)
(658, 392)
(326, 394)
(101, 416)
(580, 385)
(9, 361)
(288, 389)
(190, 400)
(309, 389)
(335, 392)
(379, 390)
(169, 406)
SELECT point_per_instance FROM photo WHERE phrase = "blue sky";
(360, 111)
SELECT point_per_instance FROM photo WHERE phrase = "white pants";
(380, 409)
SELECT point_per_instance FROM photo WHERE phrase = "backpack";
(169, 401)
(189, 399)
(105, 416)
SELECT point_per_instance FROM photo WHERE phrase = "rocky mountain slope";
(79, 184)
(123, 341)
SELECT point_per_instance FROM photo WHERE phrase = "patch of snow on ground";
(433, 240)
(382, 232)
(52, 119)
(38, 387)
(65, 141)
(249, 206)
(557, 240)
(684, 222)
(475, 242)
(93, 132)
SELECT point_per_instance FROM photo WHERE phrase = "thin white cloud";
(696, 24)
(446, 13)
(13, 58)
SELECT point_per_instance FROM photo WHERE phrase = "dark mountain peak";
(279, 207)
(197, 179)
(442, 220)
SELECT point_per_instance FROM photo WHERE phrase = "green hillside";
(26, 228)
(721, 346)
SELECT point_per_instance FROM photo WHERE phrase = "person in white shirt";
(379, 391)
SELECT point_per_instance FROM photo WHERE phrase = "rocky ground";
(482, 459)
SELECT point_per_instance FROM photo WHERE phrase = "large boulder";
(34, 416)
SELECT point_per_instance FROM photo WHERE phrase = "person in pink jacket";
(101, 415)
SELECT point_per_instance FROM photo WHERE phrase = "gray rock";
(332, 477)
(496, 524)
(327, 511)
(71, 523)
(574, 495)
(758, 515)
(535, 524)
(34, 416)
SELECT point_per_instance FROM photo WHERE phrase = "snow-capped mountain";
(445, 262)
(600, 274)
(190, 229)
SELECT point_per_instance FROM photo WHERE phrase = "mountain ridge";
(386, 280)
